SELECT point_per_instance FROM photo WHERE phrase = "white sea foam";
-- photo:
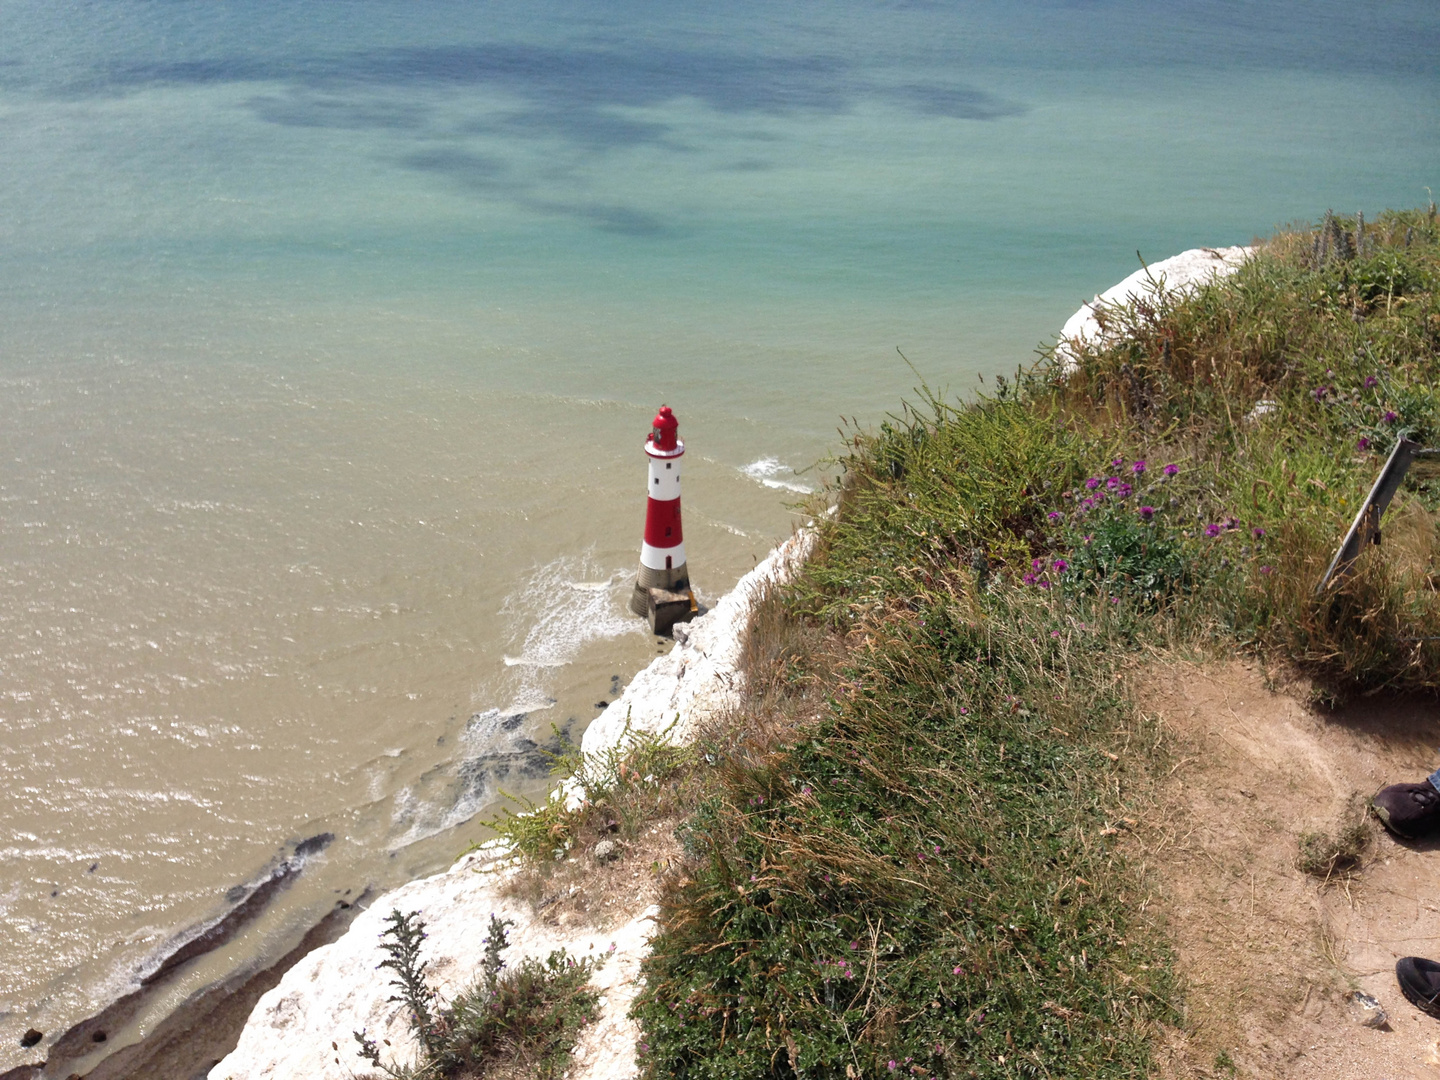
(770, 472)
(563, 607)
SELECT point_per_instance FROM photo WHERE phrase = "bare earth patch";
(1268, 952)
(583, 892)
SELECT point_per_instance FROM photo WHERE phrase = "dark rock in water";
(23, 1072)
(602, 704)
(31, 1037)
(198, 1033)
(93, 867)
(314, 845)
(498, 750)
(99, 1036)
(230, 924)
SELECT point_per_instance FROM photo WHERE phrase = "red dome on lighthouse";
(663, 428)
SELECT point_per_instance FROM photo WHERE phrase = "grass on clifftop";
(903, 860)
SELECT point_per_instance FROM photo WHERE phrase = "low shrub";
(512, 1023)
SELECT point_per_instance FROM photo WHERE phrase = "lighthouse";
(662, 587)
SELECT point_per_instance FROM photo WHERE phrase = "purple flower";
(1114, 599)
(1370, 380)
(1043, 584)
(1391, 417)
(1087, 504)
(1093, 483)
(1363, 444)
(894, 1064)
(1146, 513)
(1124, 491)
(1212, 531)
(1037, 564)
(1267, 569)
(1319, 392)
(1111, 483)
(1257, 532)
(1060, 565)
(1054, 633)
(964, 711)
(1117, 463)
(1089, 537)
(1138, 468)
(1054, 515)
(854, 945)
(1029, 579)
(1170, 470)
(958, 970)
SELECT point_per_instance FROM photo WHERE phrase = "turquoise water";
(329, 333)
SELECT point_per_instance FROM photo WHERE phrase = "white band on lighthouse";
(664, 480)
(662, 558)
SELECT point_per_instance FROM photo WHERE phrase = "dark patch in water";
(314, 845)
(231, 923)
(959, 102)
(201, 1030)
(503, 752)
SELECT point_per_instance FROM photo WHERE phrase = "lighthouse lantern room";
(662, 587)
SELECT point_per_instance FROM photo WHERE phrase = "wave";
(561, 608)
(770, 472)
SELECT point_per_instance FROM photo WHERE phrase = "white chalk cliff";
(302, 1029)
(1174, 276)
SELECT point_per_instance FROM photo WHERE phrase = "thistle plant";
(495, 943)
(400, 942)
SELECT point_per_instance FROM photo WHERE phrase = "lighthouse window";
(657, 479)
(667, 464)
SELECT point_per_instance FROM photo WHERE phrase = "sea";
(330, 333)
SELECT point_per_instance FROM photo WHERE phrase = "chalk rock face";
(695, 680)
(1174, 276)
(337, 989)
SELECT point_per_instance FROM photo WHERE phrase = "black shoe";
(1420, 983)
(1409, 810)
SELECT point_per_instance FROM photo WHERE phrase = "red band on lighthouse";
(662, 524)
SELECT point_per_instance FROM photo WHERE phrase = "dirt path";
(1268, 952)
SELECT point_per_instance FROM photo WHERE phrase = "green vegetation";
(1335, 855)
(643, 778)
(904, 858)
(516, 1023)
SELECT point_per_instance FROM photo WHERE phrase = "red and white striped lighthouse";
(663, 581)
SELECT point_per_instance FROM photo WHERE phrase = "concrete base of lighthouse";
(663, 597)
